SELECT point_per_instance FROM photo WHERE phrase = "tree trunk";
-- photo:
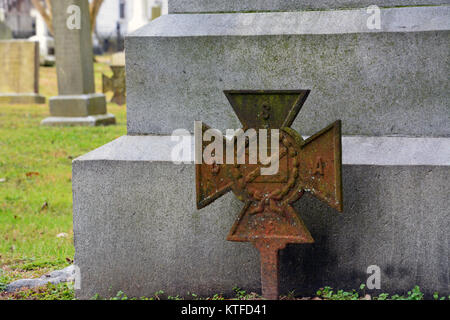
(45, 12)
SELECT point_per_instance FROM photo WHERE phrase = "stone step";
(356, 150)
(391, 81)
(200, 6)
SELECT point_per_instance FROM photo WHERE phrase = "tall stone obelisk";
(46, 42)
(77, 102)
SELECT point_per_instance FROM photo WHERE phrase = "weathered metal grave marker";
(116, 84)
(268, 219)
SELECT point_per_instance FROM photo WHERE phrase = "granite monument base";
(83, 110)
(21, 98)
(137, 229)
(392, 81)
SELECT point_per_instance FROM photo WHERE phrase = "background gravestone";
(5, 32)
(19, 72)
(77, 102)
(116, 84)
(136, 226)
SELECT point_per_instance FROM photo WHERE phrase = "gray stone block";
(19, 72)
(188, 6)
(21, 98)
(392, 81)
(78, 105)
(137, 229)
(65, 275)
(94, 120)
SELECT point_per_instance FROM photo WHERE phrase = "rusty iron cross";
(116, 84)
(268, 219)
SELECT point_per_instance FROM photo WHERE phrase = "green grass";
(35, 182)
(65, 292)
(327, 293)
(62, 291)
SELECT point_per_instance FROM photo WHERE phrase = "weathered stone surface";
(74, 54)
(186, 6)
(19, 66)
(55, 277)
(136, 227)
(75, 71)
(21, 98)
(409, 19)
(392, 81)
(19, 72)
(78, 105)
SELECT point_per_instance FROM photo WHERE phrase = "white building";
(16, 14)
(128, 14)
(116, 17)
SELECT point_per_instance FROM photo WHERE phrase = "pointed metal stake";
(269, 256)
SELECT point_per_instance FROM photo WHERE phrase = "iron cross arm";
(317, 159)
(116, 84)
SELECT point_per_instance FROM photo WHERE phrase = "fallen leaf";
(31, 174)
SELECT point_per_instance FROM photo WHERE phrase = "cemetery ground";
(36, 234)
(35, 182)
